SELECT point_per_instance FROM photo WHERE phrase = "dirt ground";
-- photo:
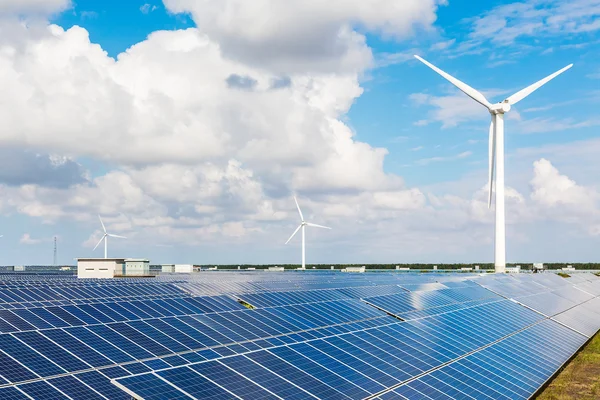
(580, 379)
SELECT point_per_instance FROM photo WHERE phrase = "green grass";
(563, 275)
(580, 378)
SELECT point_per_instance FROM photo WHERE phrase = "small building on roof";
(112, 267)
(136, 267)
(99, 267)
(354, 269)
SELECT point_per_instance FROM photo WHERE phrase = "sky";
(190, 125)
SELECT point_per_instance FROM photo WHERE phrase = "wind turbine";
(496, 149)
(303, 225)
(105, 238)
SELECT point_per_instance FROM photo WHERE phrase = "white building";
(184, 268)
(136, 267)
(538, 266)
(111, 267)
(168, 268)
(100, 267)
(514, 270)
(178, 268)
(354, 269)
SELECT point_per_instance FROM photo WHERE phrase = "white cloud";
(147, 8)
(205, 142)
(302, 36)
(416, 148)
(552, 189)
(450, 110)
(505, 24)
(201, 144)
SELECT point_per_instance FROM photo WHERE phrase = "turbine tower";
(496, 149)
(105, 238)
(303, 225)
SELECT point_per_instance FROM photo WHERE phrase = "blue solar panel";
(310, 335)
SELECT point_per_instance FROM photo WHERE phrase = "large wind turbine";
(302, 226)
(496, 149)
(105, 238)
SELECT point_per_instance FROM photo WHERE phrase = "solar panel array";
(293, 335)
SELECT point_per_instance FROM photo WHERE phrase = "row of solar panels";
(146, 336)
(39, 294)
(354, 365)
(47, 354)
(513, 368)
(78, 347)
(470, 332)
(260, 282)
(99, 313)
(398, 302)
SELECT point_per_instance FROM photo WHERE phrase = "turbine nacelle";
(500, 108)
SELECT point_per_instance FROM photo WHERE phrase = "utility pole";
(54, 250)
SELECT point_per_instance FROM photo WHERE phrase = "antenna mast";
(54, 250)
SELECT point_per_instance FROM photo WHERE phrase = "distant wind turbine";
(496, 149)
(302, 225)
(105, 238)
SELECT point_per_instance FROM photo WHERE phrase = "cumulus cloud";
(552, 189)
(206, 133)
(199, 144)
(305, 36)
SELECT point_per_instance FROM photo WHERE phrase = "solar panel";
(295, 335)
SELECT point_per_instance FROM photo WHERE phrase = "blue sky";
(435, 139)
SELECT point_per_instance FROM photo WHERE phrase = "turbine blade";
(296, 231)
(103, 227)
(491, 158)
(100, 241)
(317, 226)
(466, 89)
(520, 95)
(117, 236)
(300, 212)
